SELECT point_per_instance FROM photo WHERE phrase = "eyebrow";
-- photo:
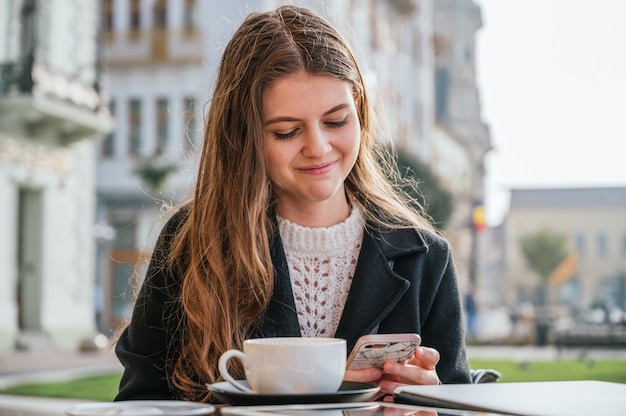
(287, 118)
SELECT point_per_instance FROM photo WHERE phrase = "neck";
(318, 214)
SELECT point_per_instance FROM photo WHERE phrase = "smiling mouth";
(319, 169)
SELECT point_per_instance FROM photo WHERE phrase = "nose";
(316, 144)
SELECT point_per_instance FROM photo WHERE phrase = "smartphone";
(371, 351)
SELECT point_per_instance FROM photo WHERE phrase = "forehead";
(304, 92)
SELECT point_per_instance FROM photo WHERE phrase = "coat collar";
(375, 289)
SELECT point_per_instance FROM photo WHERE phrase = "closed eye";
(337, 124)
(285, 136)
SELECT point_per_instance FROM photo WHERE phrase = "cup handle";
(222, 365)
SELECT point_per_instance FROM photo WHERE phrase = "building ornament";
(59, 86)
(35, 156)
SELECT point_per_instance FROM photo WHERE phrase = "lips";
(318, 169)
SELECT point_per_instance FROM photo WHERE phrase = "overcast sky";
(552, 78)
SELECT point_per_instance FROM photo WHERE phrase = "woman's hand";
(420, 369)
(366, 375)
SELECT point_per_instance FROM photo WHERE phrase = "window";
(124, 235)
(134, 127)
(160, 14)
(162, 119)
(135, 15)
(107, 15)
(123, 260)
(108, 144)
(580, 244)
(602, 244)
(190, 10)
(442, 87)
(191, 123)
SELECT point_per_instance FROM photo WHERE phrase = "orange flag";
(565, 270)
(478, 218)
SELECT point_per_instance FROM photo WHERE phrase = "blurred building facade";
(160, 57)
(593, 223)
(155, 58)
(462, 138)
(51, 108)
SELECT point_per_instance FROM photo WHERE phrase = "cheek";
(354, 144)
(277, 162)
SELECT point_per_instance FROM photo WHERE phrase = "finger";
(387, 387)
(409, 374)
(367, 375)
(420, 376)
(425, 357)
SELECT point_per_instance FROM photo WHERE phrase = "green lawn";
(99, 388)
(513, 371)
(103, 388)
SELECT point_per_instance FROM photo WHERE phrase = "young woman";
(293, 229)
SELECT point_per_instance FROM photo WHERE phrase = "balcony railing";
(16, 76)
(35, 102)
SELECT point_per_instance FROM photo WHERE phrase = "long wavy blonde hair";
(223, 247)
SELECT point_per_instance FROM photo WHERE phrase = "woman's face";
(312, 137)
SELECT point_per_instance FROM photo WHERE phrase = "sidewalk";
(21, 367)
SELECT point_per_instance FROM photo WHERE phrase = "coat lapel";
(280, 318)
(376, 288)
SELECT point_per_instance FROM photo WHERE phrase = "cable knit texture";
(321, 266)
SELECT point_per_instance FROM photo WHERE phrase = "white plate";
(141, 408)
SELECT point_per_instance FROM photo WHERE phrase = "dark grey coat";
(404, 282)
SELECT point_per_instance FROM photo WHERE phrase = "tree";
(436, 200)
(544, 252)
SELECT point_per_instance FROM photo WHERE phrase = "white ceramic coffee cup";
(289, 365)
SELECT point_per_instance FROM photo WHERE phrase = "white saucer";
(141, 408)
(349, 391)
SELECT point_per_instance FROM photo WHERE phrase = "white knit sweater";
(321, 266)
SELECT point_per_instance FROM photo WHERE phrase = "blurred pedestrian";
(471, 310)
